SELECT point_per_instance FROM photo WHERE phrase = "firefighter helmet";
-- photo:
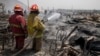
(18, 8)
(34, 7)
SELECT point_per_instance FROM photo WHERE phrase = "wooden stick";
(68, 36)
(74, 49)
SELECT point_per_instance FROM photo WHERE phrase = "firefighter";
(35, 25)
(18, 26)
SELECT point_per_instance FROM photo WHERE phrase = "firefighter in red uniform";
(18, 26)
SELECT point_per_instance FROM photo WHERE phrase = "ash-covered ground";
(58, 26)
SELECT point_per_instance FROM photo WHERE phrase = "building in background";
(9, 5)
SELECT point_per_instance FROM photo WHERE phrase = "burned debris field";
(68, 33)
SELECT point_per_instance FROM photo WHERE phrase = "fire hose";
(25, 45)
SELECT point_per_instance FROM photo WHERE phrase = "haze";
(65, 4)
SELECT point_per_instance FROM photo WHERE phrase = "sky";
(64, 4)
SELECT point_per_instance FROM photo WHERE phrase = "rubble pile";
(62, 31)
(88, 25)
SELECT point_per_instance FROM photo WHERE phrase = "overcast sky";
(65, 4)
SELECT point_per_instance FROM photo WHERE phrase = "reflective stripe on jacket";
(16, 22)
(15, 25)
(33, 24)
(19, 34)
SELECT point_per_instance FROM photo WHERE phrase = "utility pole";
(28, 4)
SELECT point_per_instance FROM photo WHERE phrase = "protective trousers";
(19, 42)
(37, 44)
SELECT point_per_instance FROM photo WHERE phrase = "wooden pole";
(28, 4)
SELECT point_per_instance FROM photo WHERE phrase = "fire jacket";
(17, 25)
(34, 24)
